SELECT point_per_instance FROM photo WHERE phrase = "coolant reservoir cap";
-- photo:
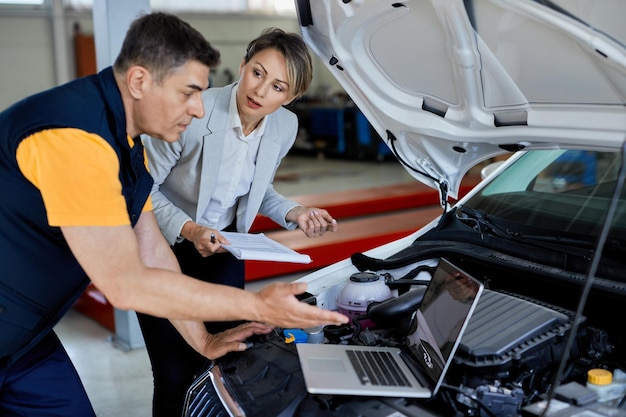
(599, 376)
(364, 277)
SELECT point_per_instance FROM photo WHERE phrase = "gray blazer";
(185, 172)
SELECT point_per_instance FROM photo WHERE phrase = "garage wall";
(27, 59)
(27, 49)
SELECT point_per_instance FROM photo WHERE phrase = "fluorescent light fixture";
(29, 2)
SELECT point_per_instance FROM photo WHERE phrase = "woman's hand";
(312, 221)
(207, 241)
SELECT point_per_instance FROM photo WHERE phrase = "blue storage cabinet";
(367, 137)
(328, 123)
(583, 166)
(344, 131)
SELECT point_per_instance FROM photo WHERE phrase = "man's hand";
(232, 340)
(278, 305)
(312, 221)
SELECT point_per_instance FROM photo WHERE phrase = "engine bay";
(507, 361)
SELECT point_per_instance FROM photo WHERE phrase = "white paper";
(258, 247)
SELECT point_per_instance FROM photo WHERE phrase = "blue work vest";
(39, 277)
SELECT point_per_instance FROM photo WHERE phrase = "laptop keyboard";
(377, 368)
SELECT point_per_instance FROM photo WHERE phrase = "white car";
(448, 84)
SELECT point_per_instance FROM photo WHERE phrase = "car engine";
(506, 363)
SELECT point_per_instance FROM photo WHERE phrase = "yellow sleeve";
(77, 174)
(148, 205)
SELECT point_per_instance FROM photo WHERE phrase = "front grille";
(203, 399)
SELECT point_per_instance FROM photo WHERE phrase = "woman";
(217, 177)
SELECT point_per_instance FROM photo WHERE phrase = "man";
(76, 207)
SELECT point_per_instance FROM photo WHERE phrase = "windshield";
(556, 193)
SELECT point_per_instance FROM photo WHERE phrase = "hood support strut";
(443, 186)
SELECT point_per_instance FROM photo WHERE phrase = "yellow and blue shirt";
(65, 160)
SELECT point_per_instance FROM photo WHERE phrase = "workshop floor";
(118, 382)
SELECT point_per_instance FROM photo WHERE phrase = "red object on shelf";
(95, 305)
(367, 201)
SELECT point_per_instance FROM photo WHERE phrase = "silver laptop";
(418, 367)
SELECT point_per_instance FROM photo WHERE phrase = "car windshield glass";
(556, 193)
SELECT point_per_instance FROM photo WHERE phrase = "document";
(258, 247)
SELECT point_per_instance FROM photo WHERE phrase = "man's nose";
(197, 106)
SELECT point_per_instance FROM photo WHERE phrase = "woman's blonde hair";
(295, 51)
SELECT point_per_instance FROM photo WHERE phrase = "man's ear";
(137, 78)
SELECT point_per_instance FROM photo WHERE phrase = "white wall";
(27, 49)
(27, 63)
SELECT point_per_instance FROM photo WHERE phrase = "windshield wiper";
(479, 221)
(582, 243)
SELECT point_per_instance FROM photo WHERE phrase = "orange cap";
(599, 376)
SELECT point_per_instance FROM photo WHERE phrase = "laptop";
(415, 369)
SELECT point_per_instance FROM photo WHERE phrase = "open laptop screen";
(443, 314)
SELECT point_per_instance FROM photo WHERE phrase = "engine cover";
(508, 335)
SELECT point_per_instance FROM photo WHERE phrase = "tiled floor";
(120, 383)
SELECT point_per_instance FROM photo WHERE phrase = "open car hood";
(450, 83)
